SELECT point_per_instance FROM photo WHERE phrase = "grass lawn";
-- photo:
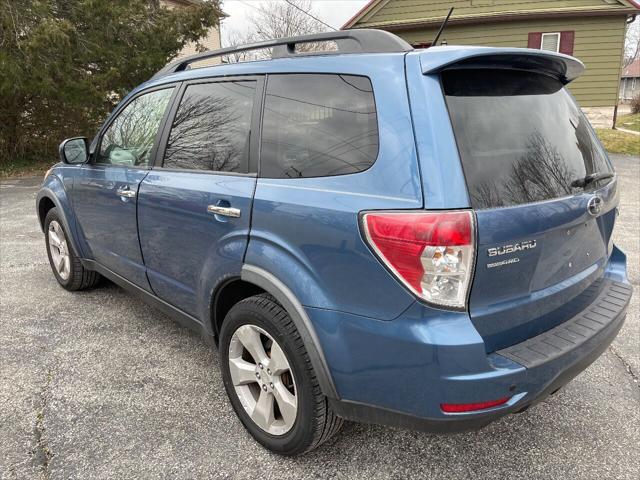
(629, 122)
(615, 141)
(24, 168)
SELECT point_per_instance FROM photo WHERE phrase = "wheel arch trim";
(271, 284)
(46, 192)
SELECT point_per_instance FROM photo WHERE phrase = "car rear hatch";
(540, 183)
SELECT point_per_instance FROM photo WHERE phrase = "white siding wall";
(629, 88)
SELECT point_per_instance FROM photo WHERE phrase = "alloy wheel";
(59, 250)
(263, 379)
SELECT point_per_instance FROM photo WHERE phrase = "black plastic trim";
(347, 41)
(363, 413)
(46, 192)
(294, 308)
(176, 314)
(572, 334)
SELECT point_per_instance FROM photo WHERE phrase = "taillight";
(431, 253)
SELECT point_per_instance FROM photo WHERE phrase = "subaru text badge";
(516, 247)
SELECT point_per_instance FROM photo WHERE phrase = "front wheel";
(270, 381)
(65, 264)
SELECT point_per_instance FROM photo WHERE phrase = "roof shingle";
(632, 70)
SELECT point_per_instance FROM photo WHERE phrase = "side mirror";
(74, 150)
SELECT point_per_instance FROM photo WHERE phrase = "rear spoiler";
(563, 67)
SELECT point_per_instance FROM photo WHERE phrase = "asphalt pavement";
(97, 384)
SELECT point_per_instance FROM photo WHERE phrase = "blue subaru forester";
(417, 238)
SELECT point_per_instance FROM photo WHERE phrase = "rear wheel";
(270, 381)
(65, 264)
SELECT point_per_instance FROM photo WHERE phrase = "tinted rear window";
(318, 125)
(521, 137)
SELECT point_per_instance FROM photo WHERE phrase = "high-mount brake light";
(431, 253)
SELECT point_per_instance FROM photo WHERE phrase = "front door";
(194, 211)
(105, 191)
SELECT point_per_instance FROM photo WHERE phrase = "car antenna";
(444, 24)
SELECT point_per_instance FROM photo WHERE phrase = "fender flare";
(294, 308)
(46, 192)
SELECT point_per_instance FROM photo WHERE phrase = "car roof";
(361, 46)
(433, 60)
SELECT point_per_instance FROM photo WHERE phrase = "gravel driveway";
(98, 385)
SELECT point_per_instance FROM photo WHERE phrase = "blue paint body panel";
(442, 178)
(108, 222)
(305, 230)
(56, 187)
(516, 301)
(187, 250)
(428, 357)
(383, 348)
(308, 236)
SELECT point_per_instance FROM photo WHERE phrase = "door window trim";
(97, 142)
(255, 128)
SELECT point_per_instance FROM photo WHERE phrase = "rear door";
(543, 224)
(194, 208)
(105, 191)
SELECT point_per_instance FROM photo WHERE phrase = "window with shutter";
(534, 40)
(566, 42)
(551, 42)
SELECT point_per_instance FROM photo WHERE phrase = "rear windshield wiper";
(594, 177)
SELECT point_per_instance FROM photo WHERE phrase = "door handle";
(126, 192)
(224, 211)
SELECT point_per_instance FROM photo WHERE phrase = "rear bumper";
(548, 372)
(407, 367)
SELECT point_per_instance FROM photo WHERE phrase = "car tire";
(314, 421)
(64, 262)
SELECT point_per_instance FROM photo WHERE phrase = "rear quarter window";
(521, 136)
(318, 125)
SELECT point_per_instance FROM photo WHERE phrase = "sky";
(333, 12)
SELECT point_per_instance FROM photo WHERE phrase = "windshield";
(521, 137)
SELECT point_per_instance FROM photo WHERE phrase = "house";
(592, 30)
(630, 81)
(210, 42)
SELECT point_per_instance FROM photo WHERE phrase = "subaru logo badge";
(594, 206)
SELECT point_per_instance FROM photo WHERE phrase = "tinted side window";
(130, 137)
(211, 128)
(318, 125)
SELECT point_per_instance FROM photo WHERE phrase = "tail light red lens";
(431, 253)
(472, 407)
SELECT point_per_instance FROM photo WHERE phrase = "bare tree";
(272, 20)
(283, 19)
(539, 174)
(234, 38)
(632, 43)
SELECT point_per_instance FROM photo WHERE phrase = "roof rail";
(347, 41)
